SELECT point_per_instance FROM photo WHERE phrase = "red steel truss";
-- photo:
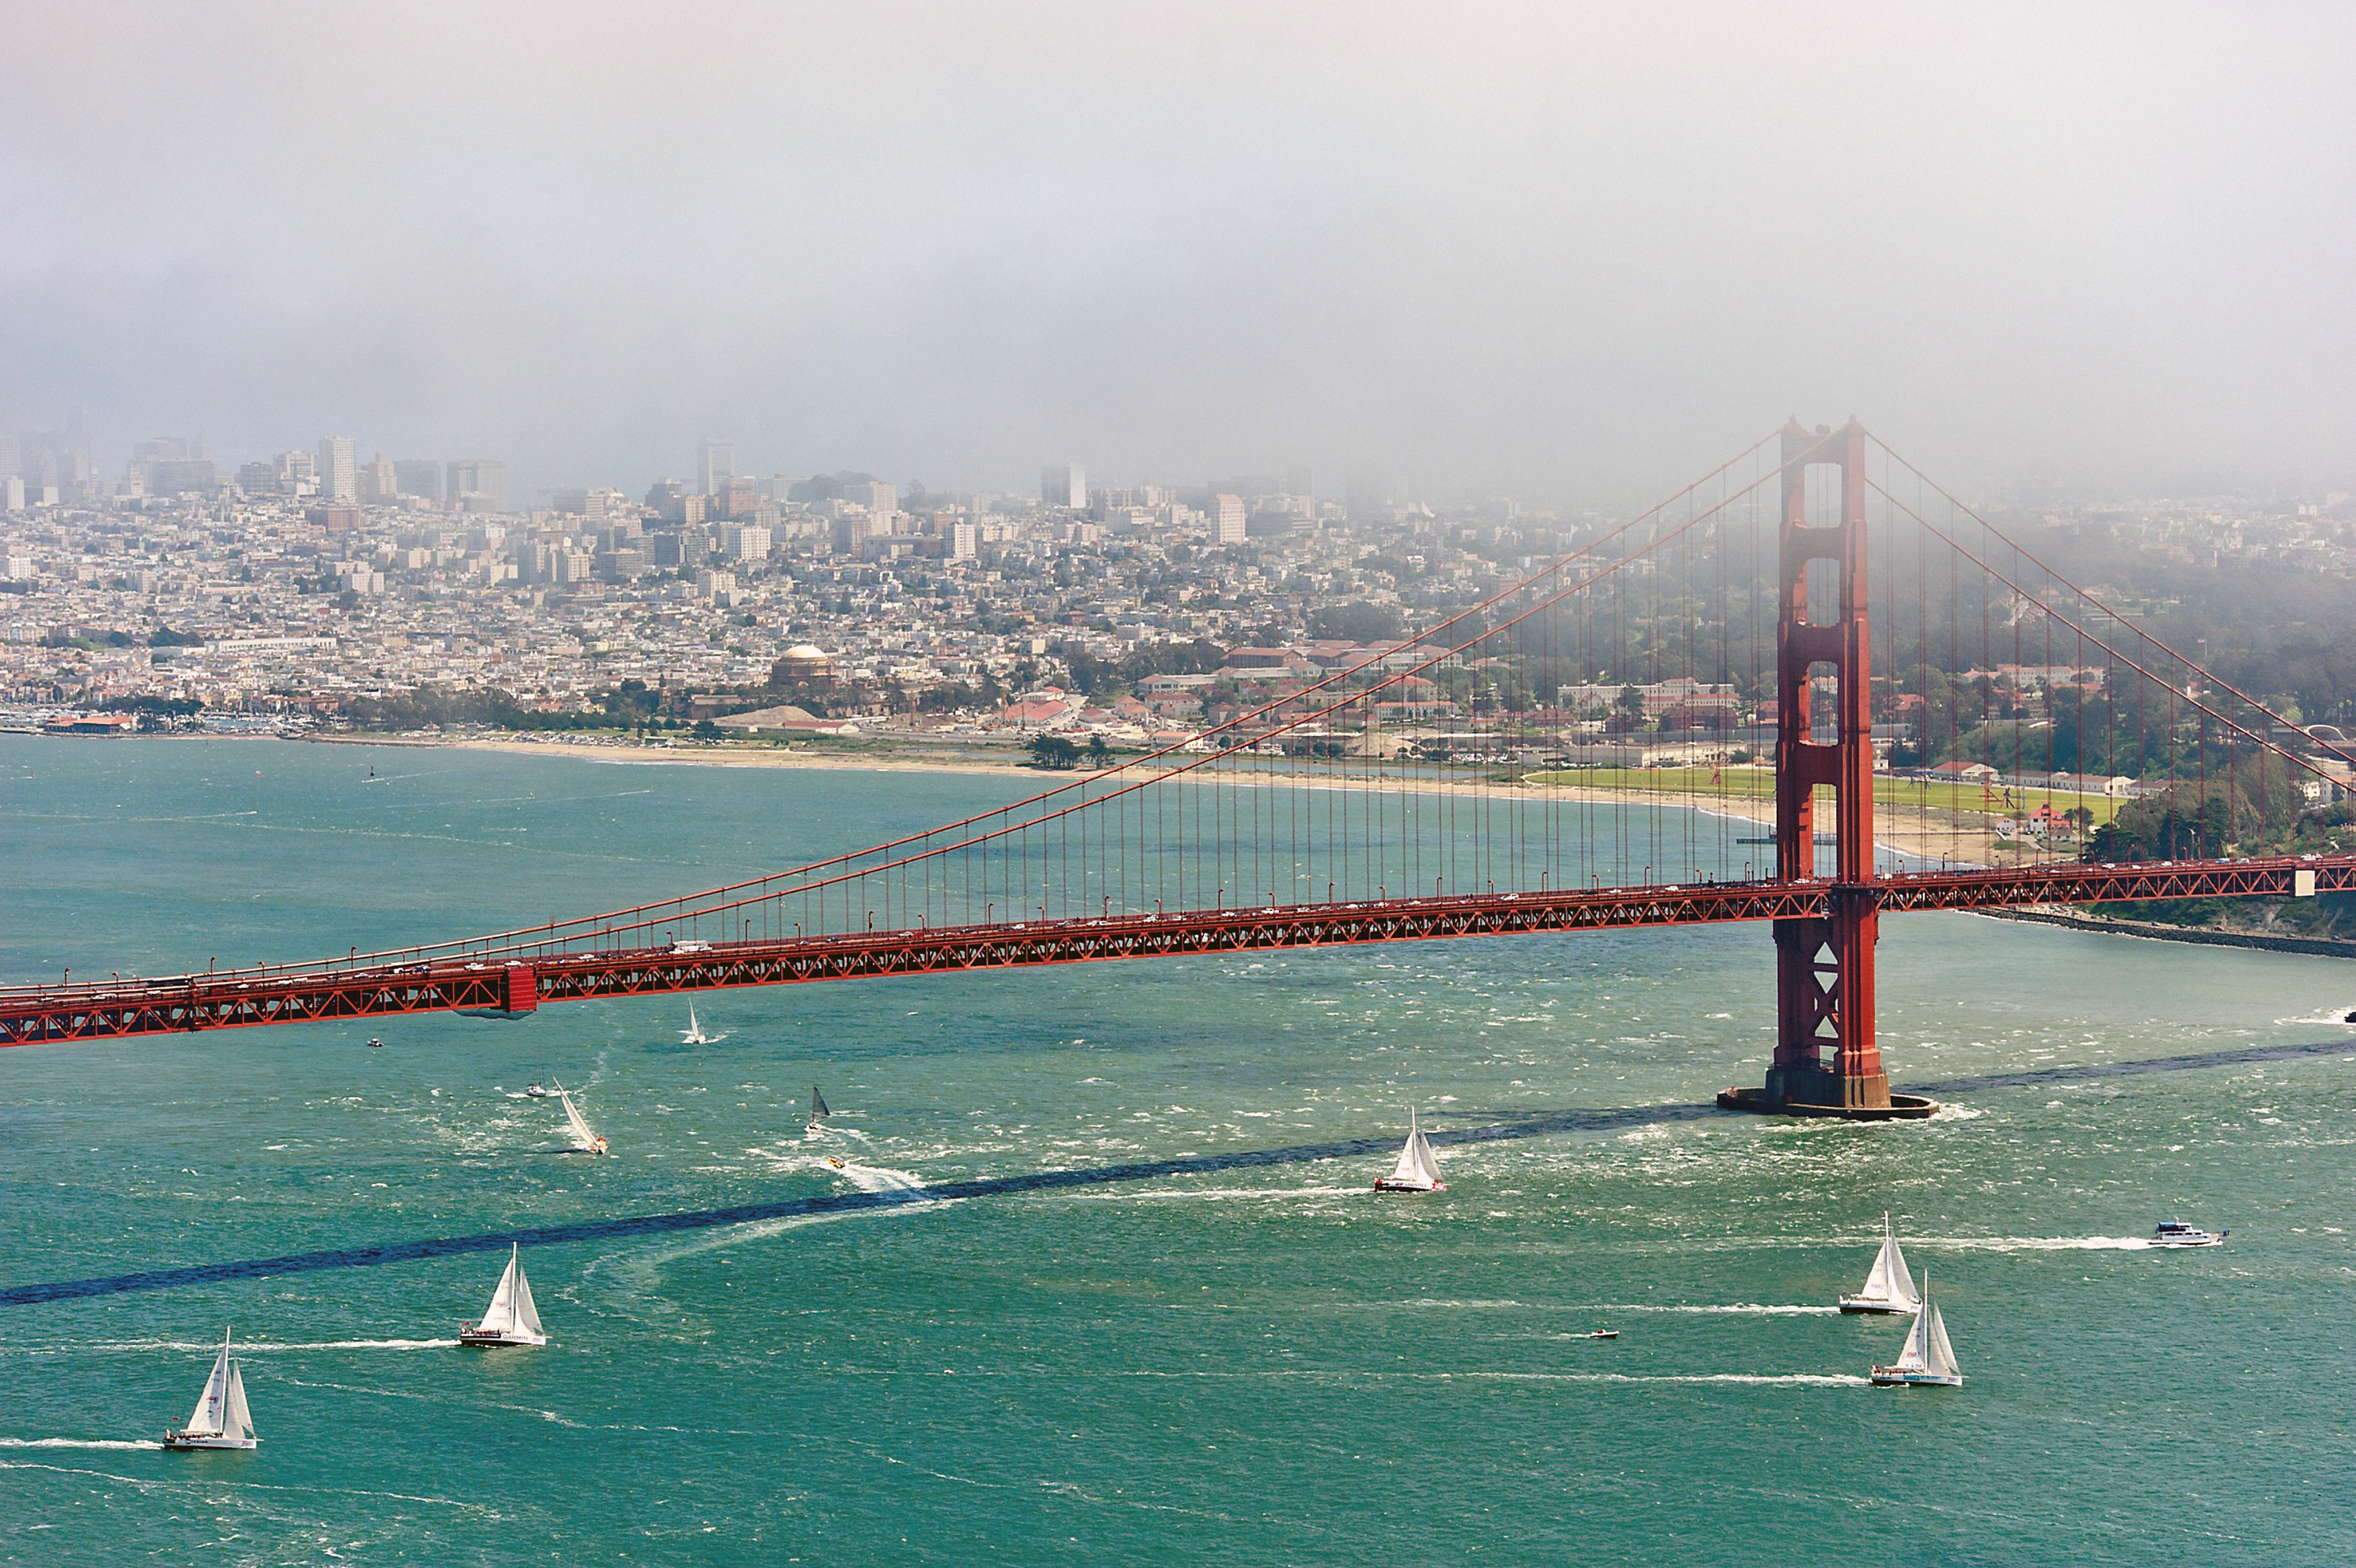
(187, 1003)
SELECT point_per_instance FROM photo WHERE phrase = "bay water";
(1257, 1365)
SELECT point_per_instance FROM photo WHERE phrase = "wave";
(114, 1442)
(2031, 1244)
(1739, 1308)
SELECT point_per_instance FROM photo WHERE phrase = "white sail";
(526, 1310)
(1890, 1280)
(1909, 1359)
(1938, 1356)
(582, 1134)
(238, 1423)
(499, 1317)
(1416, 1166)
(212, 1405)
(1424, 1159)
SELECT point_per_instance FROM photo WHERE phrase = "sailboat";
(220, 1419)
(512, 1318)
(819, 1111)
(693, 1034)
(584, 1137)
(1889, 1287)
(1416, 1171)
(1928, 1360)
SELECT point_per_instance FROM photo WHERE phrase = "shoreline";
(2152, 931)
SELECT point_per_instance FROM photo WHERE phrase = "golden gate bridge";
(1463, 784)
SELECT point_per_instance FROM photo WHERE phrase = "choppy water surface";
(1263, 1365)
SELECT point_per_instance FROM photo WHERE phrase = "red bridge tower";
(1823, 965)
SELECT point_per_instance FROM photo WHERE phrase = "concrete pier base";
(1857, 1105)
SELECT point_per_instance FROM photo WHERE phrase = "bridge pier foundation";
(1824, 966)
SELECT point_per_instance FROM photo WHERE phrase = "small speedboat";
(376, 1045)
(538, 1091)
(1598, 1334)
(2177, 1234)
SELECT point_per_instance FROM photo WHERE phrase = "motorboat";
(2177, 1234)
(376, 1045)
(220, 1419)
(1927, 1361)
(512, 1319)
(1417, 1170)
(1889, 1288)
(538, 1091)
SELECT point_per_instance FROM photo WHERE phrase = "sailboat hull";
(1874, 1303)
(207, 1440)
(1389, 1184)
(484, 1341)
(1891, 1377)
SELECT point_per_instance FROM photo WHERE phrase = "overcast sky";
(1562, 250)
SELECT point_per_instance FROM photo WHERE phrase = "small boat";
(1598, 1333)
(836, 1162)
(220, 1419)
(693, 1034)
(2177, 1234)
(819, 1111)
(1888, 1287)
(376, 1045)
(536, 1091)
(512, 1319)
(1416, 1171)
(1928, 1360)
(585, 1136)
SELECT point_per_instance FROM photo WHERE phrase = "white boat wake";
(244, 1347)
(116, 1444)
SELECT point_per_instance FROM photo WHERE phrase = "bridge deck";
(508, 983)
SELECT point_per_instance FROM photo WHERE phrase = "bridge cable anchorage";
(1547, 759)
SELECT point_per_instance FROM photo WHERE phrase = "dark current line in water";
(1532, 1125)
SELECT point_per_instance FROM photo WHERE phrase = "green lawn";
(1759, 783)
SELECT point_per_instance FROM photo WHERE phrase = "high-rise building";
(1064, 485)
(380, 481)
(340, 475)
(715, 464)
(420, 478)
(1227, 519)
(476, 484)
(879, 499)
(1297, 481)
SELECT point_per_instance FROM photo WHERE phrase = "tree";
(1052, 751)
(705, 730)
(1100, 752)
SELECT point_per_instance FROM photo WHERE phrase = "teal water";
(1257, 1366)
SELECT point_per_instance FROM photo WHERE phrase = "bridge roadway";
(512, 982)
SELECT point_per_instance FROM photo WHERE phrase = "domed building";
(805, 662)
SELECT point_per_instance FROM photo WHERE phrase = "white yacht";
(220, 1419)
(1888, 1287)
(2177, 1234)
(584, 1137)
(1927, 1361)
(512, 1319)
(693, 1034)
(1416, 1171)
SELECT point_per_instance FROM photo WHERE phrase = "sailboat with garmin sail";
(1927, 1361)
(1888, 1287)
(513, 1317)
(1417, 1170)
(584, 1137)
(220, 1419)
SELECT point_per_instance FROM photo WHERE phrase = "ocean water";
(1255, 1365)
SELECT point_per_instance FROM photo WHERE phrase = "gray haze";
(1560, 250)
